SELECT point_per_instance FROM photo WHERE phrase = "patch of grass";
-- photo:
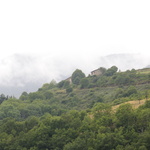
(135, 104)
(144, 71)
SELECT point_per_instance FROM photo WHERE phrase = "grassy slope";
(81, 99)
(144, 71)
(135, 104)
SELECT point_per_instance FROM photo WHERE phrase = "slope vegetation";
(56, 117)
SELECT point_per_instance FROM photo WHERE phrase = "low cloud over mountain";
(28, 72)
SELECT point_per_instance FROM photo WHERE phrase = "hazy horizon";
(28, 73)
(45, 40)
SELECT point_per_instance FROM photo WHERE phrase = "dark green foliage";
(84, 83)
(102, 82)
(123, 92)
(24, 96)
(113, 78)
(111, 71)
(35, 95)
(2, 98)
(61, 84)
(125, 115)
(66, 84)
(126, 129)
(147, 104)
(77, 76)
(55, 100)
(100, 98)
(68, 116)
(91, 85)
(131, 90)
(47, 86)
(119, 93)
(48, 94)
(123, 79)
(69, 89)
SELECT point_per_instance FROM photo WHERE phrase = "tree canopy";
(92, 113)
(77, 76)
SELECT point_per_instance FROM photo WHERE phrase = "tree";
(142, 120)
(122, 79)
(24, 96)
(48, 94)
(147, 104)
(61, 84)
(125, 115)
(69, 89)
(35, 95)
(119, 93)
(52, 84)
(111, 71)
(47, 86)
(84, 83)
(9, 110)
(102, 81)
(101, 109)
(66, 84)
(131, 90)
(77, 76)
(2, 98)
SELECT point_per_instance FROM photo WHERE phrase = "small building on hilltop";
(96, 72)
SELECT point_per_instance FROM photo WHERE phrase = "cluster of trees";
(126, 129)
(59, 102)
(109, 77)
(5, 97)
(2, 98)
(78, 115)
(21, 110)
(84, 92)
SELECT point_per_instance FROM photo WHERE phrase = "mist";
(26, 72)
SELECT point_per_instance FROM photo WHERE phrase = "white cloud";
(53, 38)
(20, 72)
(20, 69)
(74, 26)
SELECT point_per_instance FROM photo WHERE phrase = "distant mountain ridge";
(27, 73)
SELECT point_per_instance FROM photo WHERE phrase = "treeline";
(3, 97)
(108, 77)
(60, 103)
(84, 92)
(77, 114)
(81, 94)
(125, 129)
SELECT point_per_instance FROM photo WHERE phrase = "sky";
(45, 40)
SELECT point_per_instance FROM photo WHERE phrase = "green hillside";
(145, 71)
(88, 113)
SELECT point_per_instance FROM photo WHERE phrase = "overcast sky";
(69, 34)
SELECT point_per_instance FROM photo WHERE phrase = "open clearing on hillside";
(135, 104)
(144, 71)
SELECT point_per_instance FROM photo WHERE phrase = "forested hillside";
(78, 114)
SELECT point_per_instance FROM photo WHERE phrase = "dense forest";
(79, 114)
